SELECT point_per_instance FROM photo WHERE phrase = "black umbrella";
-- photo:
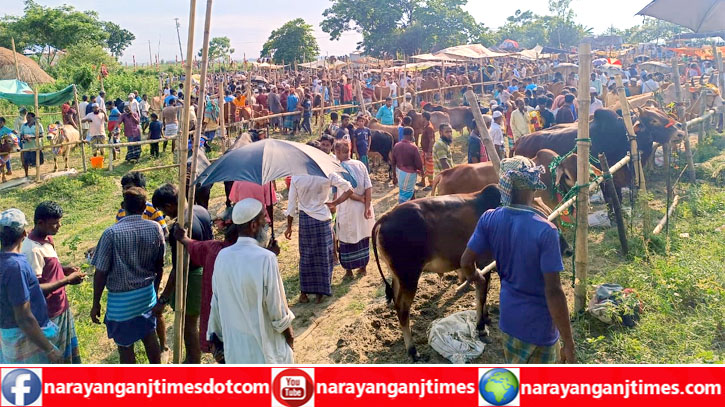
(267, 160)
(700, 16)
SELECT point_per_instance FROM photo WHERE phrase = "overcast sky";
(249, 23)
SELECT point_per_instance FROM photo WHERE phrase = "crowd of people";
(236, 307)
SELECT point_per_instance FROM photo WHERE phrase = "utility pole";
(178, 35)
(151, 58)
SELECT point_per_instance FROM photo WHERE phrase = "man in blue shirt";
(385, 113)
(534, 314)
(361, 138)
(25, 329)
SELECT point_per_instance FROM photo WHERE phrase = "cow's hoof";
(485, 320)
(413, 353)
(483, 333)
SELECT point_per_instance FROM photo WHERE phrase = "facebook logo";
(22, 387)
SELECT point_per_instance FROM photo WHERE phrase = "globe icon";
(498, 387)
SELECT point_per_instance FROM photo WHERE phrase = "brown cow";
(374, 124)
(469, 178)
(428, 85)
(461, 117)
(429, 234)
(419, 122)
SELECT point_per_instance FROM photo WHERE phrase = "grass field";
(680, 280)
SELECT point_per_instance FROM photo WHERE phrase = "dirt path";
(356, 325)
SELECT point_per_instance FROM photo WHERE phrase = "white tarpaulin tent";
(534, 53)
(322, 64)
(470, 52)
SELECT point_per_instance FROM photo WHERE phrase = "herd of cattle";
(431, 233)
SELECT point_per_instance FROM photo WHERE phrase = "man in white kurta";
(355, 217)
(249, 312)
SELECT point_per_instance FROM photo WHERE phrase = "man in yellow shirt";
(520, 120)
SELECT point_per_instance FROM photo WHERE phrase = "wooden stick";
(137, 143)
(15, 57)
(681, 114)
(581, 255)
(555, 214)
(483, 130)
(614, 202)
(701, 130)
(441, 79)
(222, 130)
(181, 277)
(160, 167)
(80, 130)
(633, 149)
(38, 141)
(665, 219)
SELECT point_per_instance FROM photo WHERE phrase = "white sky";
(249, 23)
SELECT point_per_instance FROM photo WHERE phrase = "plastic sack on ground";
(455, 337)
(613, 304)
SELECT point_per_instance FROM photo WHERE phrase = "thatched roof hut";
(30, 71)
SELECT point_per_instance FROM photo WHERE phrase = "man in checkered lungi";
(534, 316)
(308, 194)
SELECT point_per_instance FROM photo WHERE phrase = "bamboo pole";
(180, 289)
(441, 80)
(137, 143)
(483, 130)
(80, 131)
(615, 204)
(582, 214)
(666, 219)
(15, 57)
(222, 130)
(160, 167)
(200, 116)
(701, 130)
(633, 149)
(480, 69)
(681, 114)
(38, 141)
(322, 110)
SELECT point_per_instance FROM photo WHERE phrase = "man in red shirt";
(204, 252)
(39, 249)
(407, 163)
(426, 146)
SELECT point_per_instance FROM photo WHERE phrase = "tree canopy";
(293, 42)
(46, 30)
(219, 48)
(118, 38)
(391, 27)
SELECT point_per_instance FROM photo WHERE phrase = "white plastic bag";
(455, 337)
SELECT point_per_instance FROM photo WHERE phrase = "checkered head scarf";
(521, 173)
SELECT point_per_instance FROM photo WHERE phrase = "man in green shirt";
(28, 136)
(442, 159)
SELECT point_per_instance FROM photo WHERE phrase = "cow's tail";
(434, 185)
(388, 287)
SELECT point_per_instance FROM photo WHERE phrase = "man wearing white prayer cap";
(594, 102)
(249, 315)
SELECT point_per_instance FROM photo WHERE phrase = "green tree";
(48, 30)
(653, 29)
(219, 48)
(292, 42)
(118, 38)
(389, 27)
